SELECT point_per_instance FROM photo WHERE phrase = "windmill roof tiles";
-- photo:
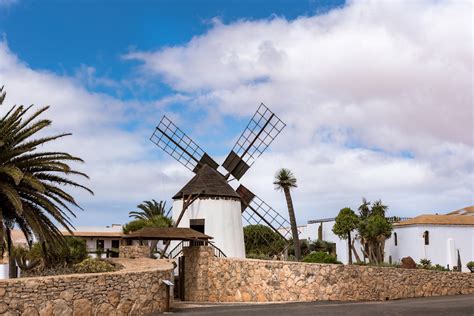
(209, 182)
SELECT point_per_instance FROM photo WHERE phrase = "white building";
(437, 238)
(216, 212)
(434, 237)
(99, 239)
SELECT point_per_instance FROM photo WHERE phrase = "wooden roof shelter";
(167, 233)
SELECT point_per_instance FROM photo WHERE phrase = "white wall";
(444, 241)
(3, 271)
(222, 221)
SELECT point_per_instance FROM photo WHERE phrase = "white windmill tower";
(207, 203)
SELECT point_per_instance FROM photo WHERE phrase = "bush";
(259, 256)
(77, 249)
(470, 265)
(320, 257)
(262, 240)
(426, 264)
(91, 265)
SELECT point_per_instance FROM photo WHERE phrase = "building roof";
(97, 231)
(209, 182)
(468, 211)
(438, 220)
(167, 233)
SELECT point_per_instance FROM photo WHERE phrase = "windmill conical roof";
(209, 182)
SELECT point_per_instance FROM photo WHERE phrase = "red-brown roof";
(437, 220)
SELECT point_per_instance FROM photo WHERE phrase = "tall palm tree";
(32, 197)
(285, 181)
(150, 209)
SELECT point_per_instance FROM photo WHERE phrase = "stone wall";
(134, 251)
(238, 280)
(135, 290)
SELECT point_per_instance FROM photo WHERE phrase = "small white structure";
(437, 238)
(216, 212)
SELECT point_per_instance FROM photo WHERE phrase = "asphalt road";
(446, 305)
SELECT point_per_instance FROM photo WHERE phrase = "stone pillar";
(196, 270)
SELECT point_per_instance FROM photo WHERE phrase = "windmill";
(209, 183)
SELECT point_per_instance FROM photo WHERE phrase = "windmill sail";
(256, 212)
(178, 145)
(260, 132)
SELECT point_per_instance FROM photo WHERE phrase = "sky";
(377, 96)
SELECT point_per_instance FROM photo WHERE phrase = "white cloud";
(119, 161)
(396, 77)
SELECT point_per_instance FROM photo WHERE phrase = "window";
(395, 238)
(100, 244)
(426, 236)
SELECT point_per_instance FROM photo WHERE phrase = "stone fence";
(135, 290)
(134, 251)
(212, 279)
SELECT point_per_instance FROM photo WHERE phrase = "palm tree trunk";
(349, 247)
(12, 269)
(294, 228)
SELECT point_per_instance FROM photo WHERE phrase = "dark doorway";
(197, 225)
(114, 252)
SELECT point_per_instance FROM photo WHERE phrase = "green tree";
(346, 222)
(150, 209)
(285, 181)
(32, 195)
(262, 240)
(374, 228)
(155, 221)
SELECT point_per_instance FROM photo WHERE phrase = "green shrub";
(320, 257)
(262, 240)
(91, 265)
(470, 265)
(425, 264)
(77, 249)
(257, 256)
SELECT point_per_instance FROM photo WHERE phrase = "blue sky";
(377, 95)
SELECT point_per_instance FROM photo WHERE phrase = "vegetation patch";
(320, 257)
(91, 265)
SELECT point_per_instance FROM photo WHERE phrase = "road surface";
(432, 306)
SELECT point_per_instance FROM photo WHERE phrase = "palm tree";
(31, 181)
(285, 181)
(150, 209)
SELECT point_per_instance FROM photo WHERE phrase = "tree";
(374, 228)
(262, 240)
(32, 182)
(285, 181)
(149, 209)
(346, 222)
